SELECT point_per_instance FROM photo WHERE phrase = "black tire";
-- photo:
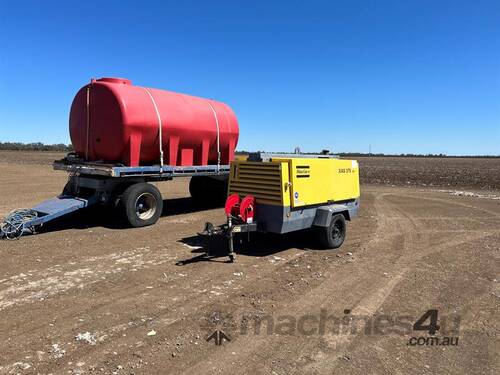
(220, 191)
(197, 188)
(69, 188)
(142, 204)
(332, 237)
(208, 191)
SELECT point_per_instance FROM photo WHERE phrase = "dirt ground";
(88, 296)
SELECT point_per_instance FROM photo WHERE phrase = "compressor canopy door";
(113, 121)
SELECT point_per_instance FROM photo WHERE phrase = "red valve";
(244, 209)
(232, 202)
(247, 209)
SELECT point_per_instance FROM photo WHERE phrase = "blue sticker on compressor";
(296, 195)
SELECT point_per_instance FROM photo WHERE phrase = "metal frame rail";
(153, 171)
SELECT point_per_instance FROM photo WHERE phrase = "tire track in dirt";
(412, 246)
(251, 349)
(415, 250)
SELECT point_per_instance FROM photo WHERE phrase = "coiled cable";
(13, 225)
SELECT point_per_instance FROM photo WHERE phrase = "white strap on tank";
(160, 138)
(218, 134)
(88, 123)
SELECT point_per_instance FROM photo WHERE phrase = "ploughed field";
(86, 295)
(474, 173)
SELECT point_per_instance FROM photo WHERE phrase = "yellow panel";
(317, 181)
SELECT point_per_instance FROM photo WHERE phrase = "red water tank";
(114, 121)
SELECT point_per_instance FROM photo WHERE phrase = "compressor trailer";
(281, 193)
(129, 188)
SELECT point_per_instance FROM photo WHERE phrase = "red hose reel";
(243, 209)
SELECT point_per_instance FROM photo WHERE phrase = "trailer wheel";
(333, 236)
(206, 190)
(142, 204)
(69, 188)
(197, 188)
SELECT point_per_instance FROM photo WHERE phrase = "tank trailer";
(127, 136)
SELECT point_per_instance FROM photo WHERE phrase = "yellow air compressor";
(281, 193)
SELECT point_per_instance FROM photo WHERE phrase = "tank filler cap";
(118, 80)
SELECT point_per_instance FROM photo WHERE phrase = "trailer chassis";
(91, 183)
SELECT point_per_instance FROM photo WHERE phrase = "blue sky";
(404, 76)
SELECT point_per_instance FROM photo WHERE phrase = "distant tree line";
(362, 154)
(37, 146)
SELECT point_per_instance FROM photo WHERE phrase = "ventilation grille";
(262, 180)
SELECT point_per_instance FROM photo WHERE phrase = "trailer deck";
(75, 165)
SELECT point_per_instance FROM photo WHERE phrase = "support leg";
(231, 246)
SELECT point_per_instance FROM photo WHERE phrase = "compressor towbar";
(240, 214)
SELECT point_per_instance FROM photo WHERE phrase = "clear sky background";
(404, 76)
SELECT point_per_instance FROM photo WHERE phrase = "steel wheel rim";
(145, 206)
